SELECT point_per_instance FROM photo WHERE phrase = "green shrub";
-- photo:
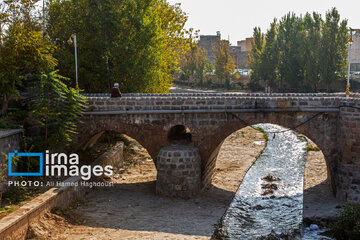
(347, 224)
(5, 124)
(58, 110)
(18, 114)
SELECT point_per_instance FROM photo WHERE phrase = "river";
(269, 202)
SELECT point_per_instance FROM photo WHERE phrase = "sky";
(236, 19)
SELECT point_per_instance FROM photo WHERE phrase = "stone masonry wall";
(212, 101)
(178, 171)
(10, 140)
(348, 176)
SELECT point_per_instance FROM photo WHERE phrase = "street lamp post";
(349, 65)
(76, 68)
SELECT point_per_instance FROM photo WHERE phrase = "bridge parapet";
(107, 95)
(284, 102)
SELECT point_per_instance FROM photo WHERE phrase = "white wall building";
(355, 51)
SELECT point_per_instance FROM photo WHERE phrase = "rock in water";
(314, 227)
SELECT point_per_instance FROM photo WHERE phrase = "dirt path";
(131, 210)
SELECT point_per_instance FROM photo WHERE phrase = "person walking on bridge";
(115, 91)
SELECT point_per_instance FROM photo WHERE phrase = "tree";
(224, 63)
(290, 41)
(58, 110)
(255, 60)
(300, 53)
(137, 43)
(24, 53)
(269, 57)
(333, 49)
(311, 49)
(193, 63)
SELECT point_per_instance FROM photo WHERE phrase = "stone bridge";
(332, 121)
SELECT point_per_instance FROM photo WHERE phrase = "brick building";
(242, 57)
(246, 45)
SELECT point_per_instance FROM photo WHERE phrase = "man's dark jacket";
(115, 92)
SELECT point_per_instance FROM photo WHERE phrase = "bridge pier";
(178, 171)
(348, 168)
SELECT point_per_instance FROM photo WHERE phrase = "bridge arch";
(318, 130)
(150, 137)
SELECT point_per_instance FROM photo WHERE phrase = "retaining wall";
(15, 225)
(10, 140)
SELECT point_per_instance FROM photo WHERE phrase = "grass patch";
(264, 134)
(8, 209)
(312, 148)
(15, 197)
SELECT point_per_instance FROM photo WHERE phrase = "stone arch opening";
(236, 154)
(179, 134)
(318, 199)
(324, 157)
(133, 164)
(322, 132)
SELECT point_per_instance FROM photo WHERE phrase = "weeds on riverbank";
(219, 233)
(266, 138)
(312, 148)
(347, 224)
(264, 134)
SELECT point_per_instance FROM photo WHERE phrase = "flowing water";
(269, 202)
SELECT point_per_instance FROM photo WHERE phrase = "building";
(207, 42)
(355, 51)
(239, 52)
(239, 56)
(246, 45)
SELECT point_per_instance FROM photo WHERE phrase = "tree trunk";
(5, 105)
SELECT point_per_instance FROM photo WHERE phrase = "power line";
(290, 129)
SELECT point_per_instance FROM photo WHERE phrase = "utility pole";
(76, 68)
(43, 17)
(349, 65)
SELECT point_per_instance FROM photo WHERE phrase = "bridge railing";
(107, 95)
(211, 102)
